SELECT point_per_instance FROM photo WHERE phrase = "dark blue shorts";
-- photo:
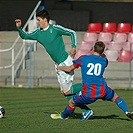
(81, 99)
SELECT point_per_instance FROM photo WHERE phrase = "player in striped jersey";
(94, 85)
(50, 37)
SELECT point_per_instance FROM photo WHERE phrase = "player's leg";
(75, 88)
(65, 80)
(65, 87)
(122, 105)
(77, 101)
(112, 96)
(69, 77)
(67, 112)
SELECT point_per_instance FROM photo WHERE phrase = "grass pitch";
(28, 111)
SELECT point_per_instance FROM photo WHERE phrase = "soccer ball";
(2, 112)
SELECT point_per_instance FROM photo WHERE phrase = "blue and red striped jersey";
(92, 68)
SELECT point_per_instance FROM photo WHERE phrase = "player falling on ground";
(50, 37)
(94, 85)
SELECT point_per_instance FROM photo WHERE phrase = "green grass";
(28, 111)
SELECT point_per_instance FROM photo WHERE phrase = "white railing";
(22, 49)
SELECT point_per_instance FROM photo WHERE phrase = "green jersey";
(52, 41)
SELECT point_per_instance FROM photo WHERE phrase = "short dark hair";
(99, 47)
(43, 14)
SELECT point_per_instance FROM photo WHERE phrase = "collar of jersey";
(46, 28)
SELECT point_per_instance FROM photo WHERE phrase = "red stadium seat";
(132, 28)
(120, 37)
(90, 37)
(124, 56)
(94, 27)
(128, 46)
(124, 28)
(130, 37)
(109, 27)
(114, 46)
(81, 52)
(105, 37)
(86, 45)
(112, 55)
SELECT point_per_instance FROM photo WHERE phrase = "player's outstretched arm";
(66, 68)
(23, 34)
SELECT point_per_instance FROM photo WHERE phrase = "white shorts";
(65, 79)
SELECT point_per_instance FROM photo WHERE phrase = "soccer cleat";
(86, 115)
(130, 115)
(56, 116)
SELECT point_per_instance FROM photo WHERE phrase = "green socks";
(73, 90)
(76, 88)
(69, 97)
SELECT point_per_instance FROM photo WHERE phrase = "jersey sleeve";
(65, 31)
(77, 63)
(26, 36)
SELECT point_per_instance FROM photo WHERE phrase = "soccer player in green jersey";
(50, 37)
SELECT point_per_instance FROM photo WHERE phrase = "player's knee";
(67, 93)
(62, 92)
(71, 103)
(115, 97)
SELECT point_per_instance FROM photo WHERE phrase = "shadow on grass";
(113, 116)
(79, 116)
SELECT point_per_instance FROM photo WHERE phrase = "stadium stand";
(128, 46)
(112, 55)
(120, 37)
(80, 53)
(124, 28)
(130, 37)
(90, 37)
(86, 45)
(114, 46)
(124, 56)
(118, 41)
(105, 37)
(109, 27)
(94, 27)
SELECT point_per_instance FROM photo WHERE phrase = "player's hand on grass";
(18, 23)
